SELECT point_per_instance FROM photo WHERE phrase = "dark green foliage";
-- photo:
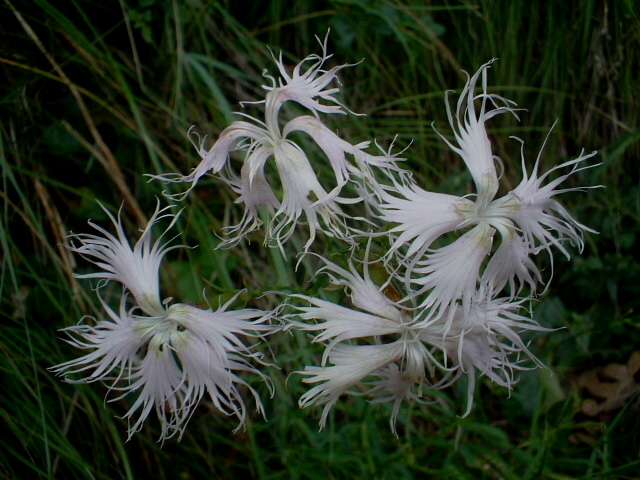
(96, 94)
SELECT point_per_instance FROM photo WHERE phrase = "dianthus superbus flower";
(500, 234)
(304, 197)
(380, 348)
(169, 355)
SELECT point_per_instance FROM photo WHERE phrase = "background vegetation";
(96, 94)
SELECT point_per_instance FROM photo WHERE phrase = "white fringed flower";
(304, 199)
(526, 220)
(345, 366)
(170, 356)
(291, 193)
(383, 350)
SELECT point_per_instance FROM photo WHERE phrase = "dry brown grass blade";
(59, 232)
(46, 245)
(102, 152)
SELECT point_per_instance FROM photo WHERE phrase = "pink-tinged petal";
(137, 267)
(451, 273)
(511, 265)
(113, 345)
(160, 386)
(486, 338)
(207, 352)
(543, 221)
(253, 190)
(470, 133)
(307, 84)
(212, 352)
(215, 158)
(350, 364)
(420, 217)
(303, 194)
(334, 148)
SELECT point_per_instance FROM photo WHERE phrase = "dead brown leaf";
(608, 388)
